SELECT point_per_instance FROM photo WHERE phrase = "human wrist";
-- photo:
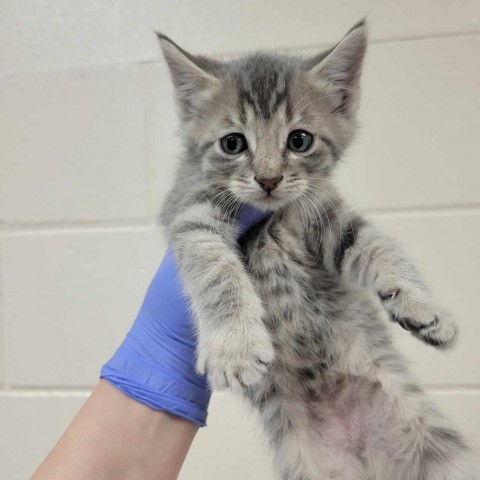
(116, 438)
(151, 438)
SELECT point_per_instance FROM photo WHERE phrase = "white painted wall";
(86, 154)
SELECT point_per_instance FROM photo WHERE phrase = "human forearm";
(113, 437)
(132, 437)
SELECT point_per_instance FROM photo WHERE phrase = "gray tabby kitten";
(296, 317)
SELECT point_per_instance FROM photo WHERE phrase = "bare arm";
(116, 438)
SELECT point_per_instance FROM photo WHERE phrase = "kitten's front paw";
(426, 321)
(237, 357)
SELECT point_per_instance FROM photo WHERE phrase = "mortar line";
(79, 226)
(321, 45)
(39, 227)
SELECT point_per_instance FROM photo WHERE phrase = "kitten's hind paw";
(418, 314)
(441, 332)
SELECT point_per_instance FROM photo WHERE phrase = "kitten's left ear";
(340, 68)
(192, 76)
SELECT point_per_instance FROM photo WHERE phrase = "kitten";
(296, 317)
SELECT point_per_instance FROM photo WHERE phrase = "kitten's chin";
(268, 202)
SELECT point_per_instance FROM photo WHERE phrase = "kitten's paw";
(440, 332)
(237, 358)
(426, 321)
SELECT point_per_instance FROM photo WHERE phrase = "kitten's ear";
(341, 67)
(192, 76)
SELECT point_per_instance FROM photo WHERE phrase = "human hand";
(155, 364)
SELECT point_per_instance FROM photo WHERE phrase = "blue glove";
(155, 364)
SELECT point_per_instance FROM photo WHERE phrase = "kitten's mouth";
(271, 197)
(270, 200)
(266, 200)
(268, 197)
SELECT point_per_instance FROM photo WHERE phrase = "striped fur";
(296, 317)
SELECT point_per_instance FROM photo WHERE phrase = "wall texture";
(87, 142)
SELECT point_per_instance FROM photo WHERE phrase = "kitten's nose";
(269, 184)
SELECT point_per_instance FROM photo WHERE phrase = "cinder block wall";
(87, 148)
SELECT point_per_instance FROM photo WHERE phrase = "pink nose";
(269, 184)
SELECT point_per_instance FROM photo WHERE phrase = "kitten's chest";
(295, 292)
(280, 267)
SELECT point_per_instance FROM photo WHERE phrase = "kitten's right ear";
(192, 76)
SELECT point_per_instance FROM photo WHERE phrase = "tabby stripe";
(331, 146)
(195, 227)
(346, 241)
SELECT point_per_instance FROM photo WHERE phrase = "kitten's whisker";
(222, 105)
(322, 179)
(218, 195)
(230, 204)
(311, 192)
(225, 206)
(208, 191)
(314, 193)
(319, 216)
(231, 207)
(301, 99)
(214, 199)
(324, 193)
(314, 100)
(294, 89)
(319, 114)
(344, 210)
(297, 205)
(205, 194)
(218, 202)
(316, 246)
(241, 180)
(323, 97)
(307, 219)
(309, 214)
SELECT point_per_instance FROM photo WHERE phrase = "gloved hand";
(155, 364)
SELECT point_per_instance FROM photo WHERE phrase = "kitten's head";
(268, 128)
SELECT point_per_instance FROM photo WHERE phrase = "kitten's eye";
(233, 143)
(299, 141)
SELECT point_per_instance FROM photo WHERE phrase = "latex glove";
(155, 364)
